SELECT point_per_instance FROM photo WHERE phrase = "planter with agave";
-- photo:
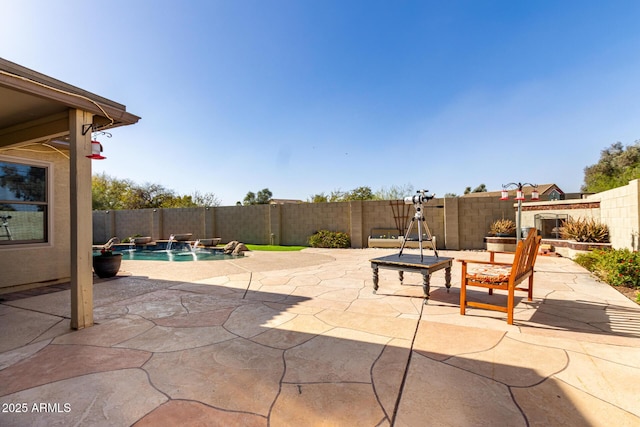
(582, 235)
(503, 228)
(502, 236)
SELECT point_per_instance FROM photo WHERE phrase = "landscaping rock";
(229, 247)
(240, 247)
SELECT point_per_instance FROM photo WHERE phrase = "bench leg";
(401, 276)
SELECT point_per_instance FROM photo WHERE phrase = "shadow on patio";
(225, 351)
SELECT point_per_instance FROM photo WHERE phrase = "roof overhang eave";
(108, 113)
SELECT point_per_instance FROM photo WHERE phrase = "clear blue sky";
(304, 97)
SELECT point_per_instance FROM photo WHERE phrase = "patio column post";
(80, 216)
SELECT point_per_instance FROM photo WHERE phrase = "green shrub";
(584, 230)
(130, 239)
(330, 239)
(588, 259)
(615, 266)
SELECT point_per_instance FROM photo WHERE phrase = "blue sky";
(304, 97)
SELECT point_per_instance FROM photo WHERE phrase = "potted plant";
(502, 228)
(107, 263)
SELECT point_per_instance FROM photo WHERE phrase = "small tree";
(319, 198)
(249, 199)
(395, 192)
(479, 189)
(262, 198)
(205, 199)
(360, 193)
(110, 193)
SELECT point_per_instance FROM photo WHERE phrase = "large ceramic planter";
(500, 244)
(107, 266)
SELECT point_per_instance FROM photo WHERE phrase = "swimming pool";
(173, 255)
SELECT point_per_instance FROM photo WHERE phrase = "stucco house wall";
(46, 262)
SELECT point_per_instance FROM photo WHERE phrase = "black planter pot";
(107, 266)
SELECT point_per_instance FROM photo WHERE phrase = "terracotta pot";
(107, 266)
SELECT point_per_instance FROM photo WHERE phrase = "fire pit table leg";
(447, 278)
(401, 276)
(374, 267)
(426, 278)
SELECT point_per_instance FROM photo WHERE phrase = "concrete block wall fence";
(292, 224)
(458, 223)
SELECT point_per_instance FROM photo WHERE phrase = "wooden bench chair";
(500, 275)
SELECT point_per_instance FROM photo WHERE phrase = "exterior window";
(23, 203)
(554, 195)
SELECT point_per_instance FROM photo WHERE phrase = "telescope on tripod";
(417, 201)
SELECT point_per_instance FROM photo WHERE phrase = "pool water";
(198, 255)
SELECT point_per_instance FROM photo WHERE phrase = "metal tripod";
(420, 218)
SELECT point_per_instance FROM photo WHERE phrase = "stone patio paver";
(291, 339)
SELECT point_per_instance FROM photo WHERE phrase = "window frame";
(47, 204)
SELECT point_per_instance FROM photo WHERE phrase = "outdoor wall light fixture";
(519, 197)
(96, 147)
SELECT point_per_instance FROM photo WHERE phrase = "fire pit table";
(413, 263)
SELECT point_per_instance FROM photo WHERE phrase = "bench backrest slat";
(525, 257)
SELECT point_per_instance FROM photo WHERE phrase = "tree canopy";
(482, 188)
(394, 192)
(617, 166)
(110, 193)
(262, 198)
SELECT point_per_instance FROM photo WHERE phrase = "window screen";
(23, 203)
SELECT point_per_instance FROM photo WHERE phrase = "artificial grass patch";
(274, 248)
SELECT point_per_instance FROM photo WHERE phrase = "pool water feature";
(174, 255)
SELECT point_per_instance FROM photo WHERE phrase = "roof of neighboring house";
(284, 201)
(543, 189)
(35, 105)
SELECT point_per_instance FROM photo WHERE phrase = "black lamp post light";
(519, 197)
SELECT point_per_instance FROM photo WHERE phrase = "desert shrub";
(588, 259)
(330, 239)
(584, 230)
(615, 266)
(502, 226)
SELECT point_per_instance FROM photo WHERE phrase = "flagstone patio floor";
(300, 339)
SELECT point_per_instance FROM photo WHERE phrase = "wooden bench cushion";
(489, 274)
